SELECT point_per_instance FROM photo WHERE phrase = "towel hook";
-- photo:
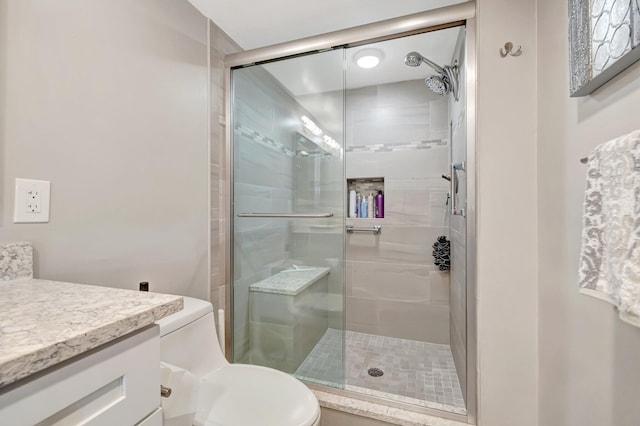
(508, 50)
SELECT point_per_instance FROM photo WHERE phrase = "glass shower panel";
(458, 222)
(288, 215)
(405, 332)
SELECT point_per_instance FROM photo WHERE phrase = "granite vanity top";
(291, 281)
(43, 323)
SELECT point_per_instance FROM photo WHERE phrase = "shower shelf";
(365, 186)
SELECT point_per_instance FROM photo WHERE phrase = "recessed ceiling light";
(368, 62)
(368, 58)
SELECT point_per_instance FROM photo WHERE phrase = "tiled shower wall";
(399, 131)
(269, 176)
(458, 231)
(389, 274)
(319, 188)
(265, 122)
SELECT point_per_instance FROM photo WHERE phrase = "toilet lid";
(239, 394)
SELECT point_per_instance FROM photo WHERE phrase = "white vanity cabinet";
(116, 384)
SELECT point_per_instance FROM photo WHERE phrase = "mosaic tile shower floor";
(415, 372)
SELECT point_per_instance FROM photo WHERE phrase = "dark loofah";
(441, 253)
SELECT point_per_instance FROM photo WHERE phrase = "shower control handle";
(455, 211)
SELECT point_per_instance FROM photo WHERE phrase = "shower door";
(288, 215)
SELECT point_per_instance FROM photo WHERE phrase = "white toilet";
(229, 394)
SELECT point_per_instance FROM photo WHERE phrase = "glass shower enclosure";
(360, 303)
(288, 207)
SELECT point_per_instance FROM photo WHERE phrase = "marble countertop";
(43, 323)
(291, 281)
(382, 412)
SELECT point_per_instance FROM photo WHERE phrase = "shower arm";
(433, 65)
(453, 76)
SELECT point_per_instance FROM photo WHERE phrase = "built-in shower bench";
(290, 282)
(288, 316)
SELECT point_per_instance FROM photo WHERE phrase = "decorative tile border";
(256, 137)
(411, 146)
(274, 145)
(16, 261)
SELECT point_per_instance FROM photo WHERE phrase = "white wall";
(507, 215)
(589, 371)
(108, 100)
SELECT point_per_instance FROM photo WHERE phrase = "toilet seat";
(239, 395)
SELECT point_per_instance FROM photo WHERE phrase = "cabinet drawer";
(154, 419)
(117, 384)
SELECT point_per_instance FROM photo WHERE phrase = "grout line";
(419, 373)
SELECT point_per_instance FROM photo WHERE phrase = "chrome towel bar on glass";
(291, 215)
(376, 229)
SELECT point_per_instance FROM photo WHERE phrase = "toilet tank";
(188, 338)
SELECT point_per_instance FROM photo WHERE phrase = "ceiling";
(253, 23)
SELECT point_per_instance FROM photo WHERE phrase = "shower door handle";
(455, 211)
(287, 215)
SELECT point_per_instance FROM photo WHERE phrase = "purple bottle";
(379, 205)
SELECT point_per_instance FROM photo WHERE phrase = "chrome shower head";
(437, 84)
(413, 59)
(441, 84)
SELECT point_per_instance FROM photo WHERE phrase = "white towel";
(610, 257)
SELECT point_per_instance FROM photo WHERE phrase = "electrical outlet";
(31, 201)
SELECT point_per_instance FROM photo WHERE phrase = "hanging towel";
(610, 258)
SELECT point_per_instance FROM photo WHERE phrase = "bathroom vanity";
(76, 354)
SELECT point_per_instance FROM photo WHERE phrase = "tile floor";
(415, 372)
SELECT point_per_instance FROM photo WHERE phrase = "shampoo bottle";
(352, 203)
(371, 206)
(363, 208)
(380, 205)
(358, 202)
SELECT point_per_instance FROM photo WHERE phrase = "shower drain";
(375, 372)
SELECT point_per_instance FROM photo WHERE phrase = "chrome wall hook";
(508, 50)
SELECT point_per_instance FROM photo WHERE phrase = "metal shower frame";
(427, 21)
